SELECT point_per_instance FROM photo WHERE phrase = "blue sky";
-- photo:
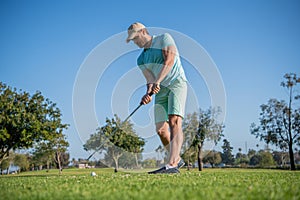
(252, 43)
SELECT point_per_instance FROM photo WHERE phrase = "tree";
(227, 156)
(65, 159)
(4, 165)
(213, 158)
(25, 120)
(130, 160)
(255, 160)
(58, 144)
(55, 145)
(114, 139)
(149, 163)
(279, 121)
(262, 159)
(159, 150)
(190, 156)
(241, 159)
(74, 162)
(280, 158)
(267, 159)
(251, 153)
(54, 149)
(162, 155)
(21, 160)
(206, 129)
(209, 129)
(41, 156)
(190, 127)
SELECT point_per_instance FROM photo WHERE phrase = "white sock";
(169, 166)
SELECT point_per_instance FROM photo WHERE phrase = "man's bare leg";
(162, 129)
(176, 139)
(170, 134)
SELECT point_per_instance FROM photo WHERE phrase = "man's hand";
(155, 88)
(146, 99)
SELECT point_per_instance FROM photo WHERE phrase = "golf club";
(151, 93)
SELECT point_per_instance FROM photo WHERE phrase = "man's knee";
(162, 128)
(161, 131)
(175, 121)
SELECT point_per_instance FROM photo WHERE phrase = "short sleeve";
(140, 63)
(167, 40)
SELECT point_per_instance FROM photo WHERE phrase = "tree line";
(22, 162)
(264, 158)
(279, 125)
(34, 123)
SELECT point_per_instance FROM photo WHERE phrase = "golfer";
(160, 63)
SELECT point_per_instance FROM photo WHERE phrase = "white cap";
(133, 29)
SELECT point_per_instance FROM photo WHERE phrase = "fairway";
(209, 184)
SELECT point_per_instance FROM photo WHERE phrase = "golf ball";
(93, 174)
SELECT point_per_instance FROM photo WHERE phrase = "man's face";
(139, 40)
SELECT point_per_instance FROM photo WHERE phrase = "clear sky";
(252, 43)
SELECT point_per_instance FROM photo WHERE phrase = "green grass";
(209, 184)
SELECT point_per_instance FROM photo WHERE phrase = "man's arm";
(149, 78)
(169, 54)
(150, 82)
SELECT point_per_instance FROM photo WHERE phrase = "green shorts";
(170, 101)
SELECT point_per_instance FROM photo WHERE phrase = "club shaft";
(132, 112)
(136, 109)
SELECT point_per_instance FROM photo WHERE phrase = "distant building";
(85, 166)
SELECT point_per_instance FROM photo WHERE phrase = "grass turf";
(208, 184)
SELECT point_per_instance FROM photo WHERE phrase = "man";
(161, 66)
